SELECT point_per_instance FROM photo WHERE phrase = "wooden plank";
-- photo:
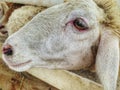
(36, 2)
(64, 80)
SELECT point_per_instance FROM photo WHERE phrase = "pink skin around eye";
(71, 22)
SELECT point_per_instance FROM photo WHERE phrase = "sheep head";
(67, 36)
(59, 37)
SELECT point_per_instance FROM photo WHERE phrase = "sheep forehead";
(86, 5)
(78, 9)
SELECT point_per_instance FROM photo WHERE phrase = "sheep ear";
(107, 60)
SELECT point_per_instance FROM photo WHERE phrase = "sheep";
(47, 39)
(5, 11)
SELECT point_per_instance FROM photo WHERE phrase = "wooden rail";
(64, 80)
(36, 2)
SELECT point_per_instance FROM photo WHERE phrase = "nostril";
(7, 50)
(4, 32)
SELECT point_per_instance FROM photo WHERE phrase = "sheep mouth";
(21, 64)
(3, 30)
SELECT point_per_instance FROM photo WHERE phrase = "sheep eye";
(80, 24)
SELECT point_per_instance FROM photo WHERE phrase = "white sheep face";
(60, 37)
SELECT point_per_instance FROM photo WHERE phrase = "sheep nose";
(7, 50)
